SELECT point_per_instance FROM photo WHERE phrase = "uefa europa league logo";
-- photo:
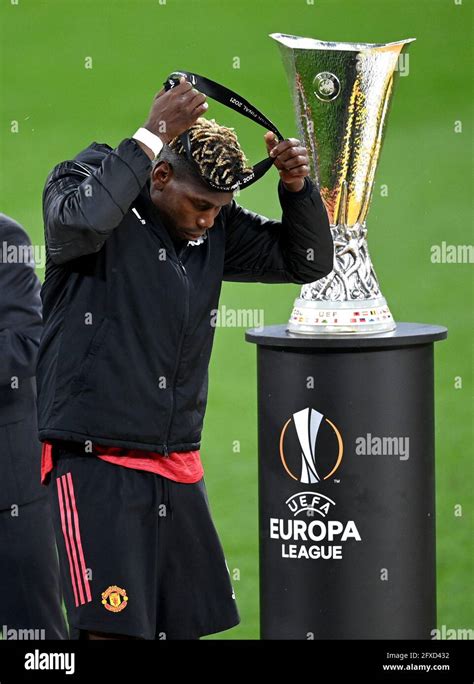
(341, 93)
(307, 425)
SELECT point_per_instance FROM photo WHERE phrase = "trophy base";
(353, 317)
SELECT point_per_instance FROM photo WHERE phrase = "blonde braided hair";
(216, 151)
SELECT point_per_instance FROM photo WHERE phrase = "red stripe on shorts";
(72, 538)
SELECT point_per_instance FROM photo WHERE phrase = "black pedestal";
(346, 484)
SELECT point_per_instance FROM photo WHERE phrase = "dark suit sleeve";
(20, 304)
(79, 212)
(297, 249)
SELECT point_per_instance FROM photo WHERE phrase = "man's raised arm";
(297, 249)
(82, 205)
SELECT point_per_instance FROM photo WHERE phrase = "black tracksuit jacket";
(128, 331)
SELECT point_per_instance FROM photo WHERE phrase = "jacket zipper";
(180, 346)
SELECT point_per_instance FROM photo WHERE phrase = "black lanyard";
(230, 99)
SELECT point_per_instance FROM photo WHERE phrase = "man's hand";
(291, 160)
(174, 111)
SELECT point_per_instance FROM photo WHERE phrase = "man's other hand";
(291, 160)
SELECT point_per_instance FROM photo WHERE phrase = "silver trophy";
(342, 92)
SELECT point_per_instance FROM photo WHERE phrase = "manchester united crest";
(114, 599)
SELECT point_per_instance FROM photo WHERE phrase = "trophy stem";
(348, 300)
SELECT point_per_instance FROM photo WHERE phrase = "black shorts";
(139, 553)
